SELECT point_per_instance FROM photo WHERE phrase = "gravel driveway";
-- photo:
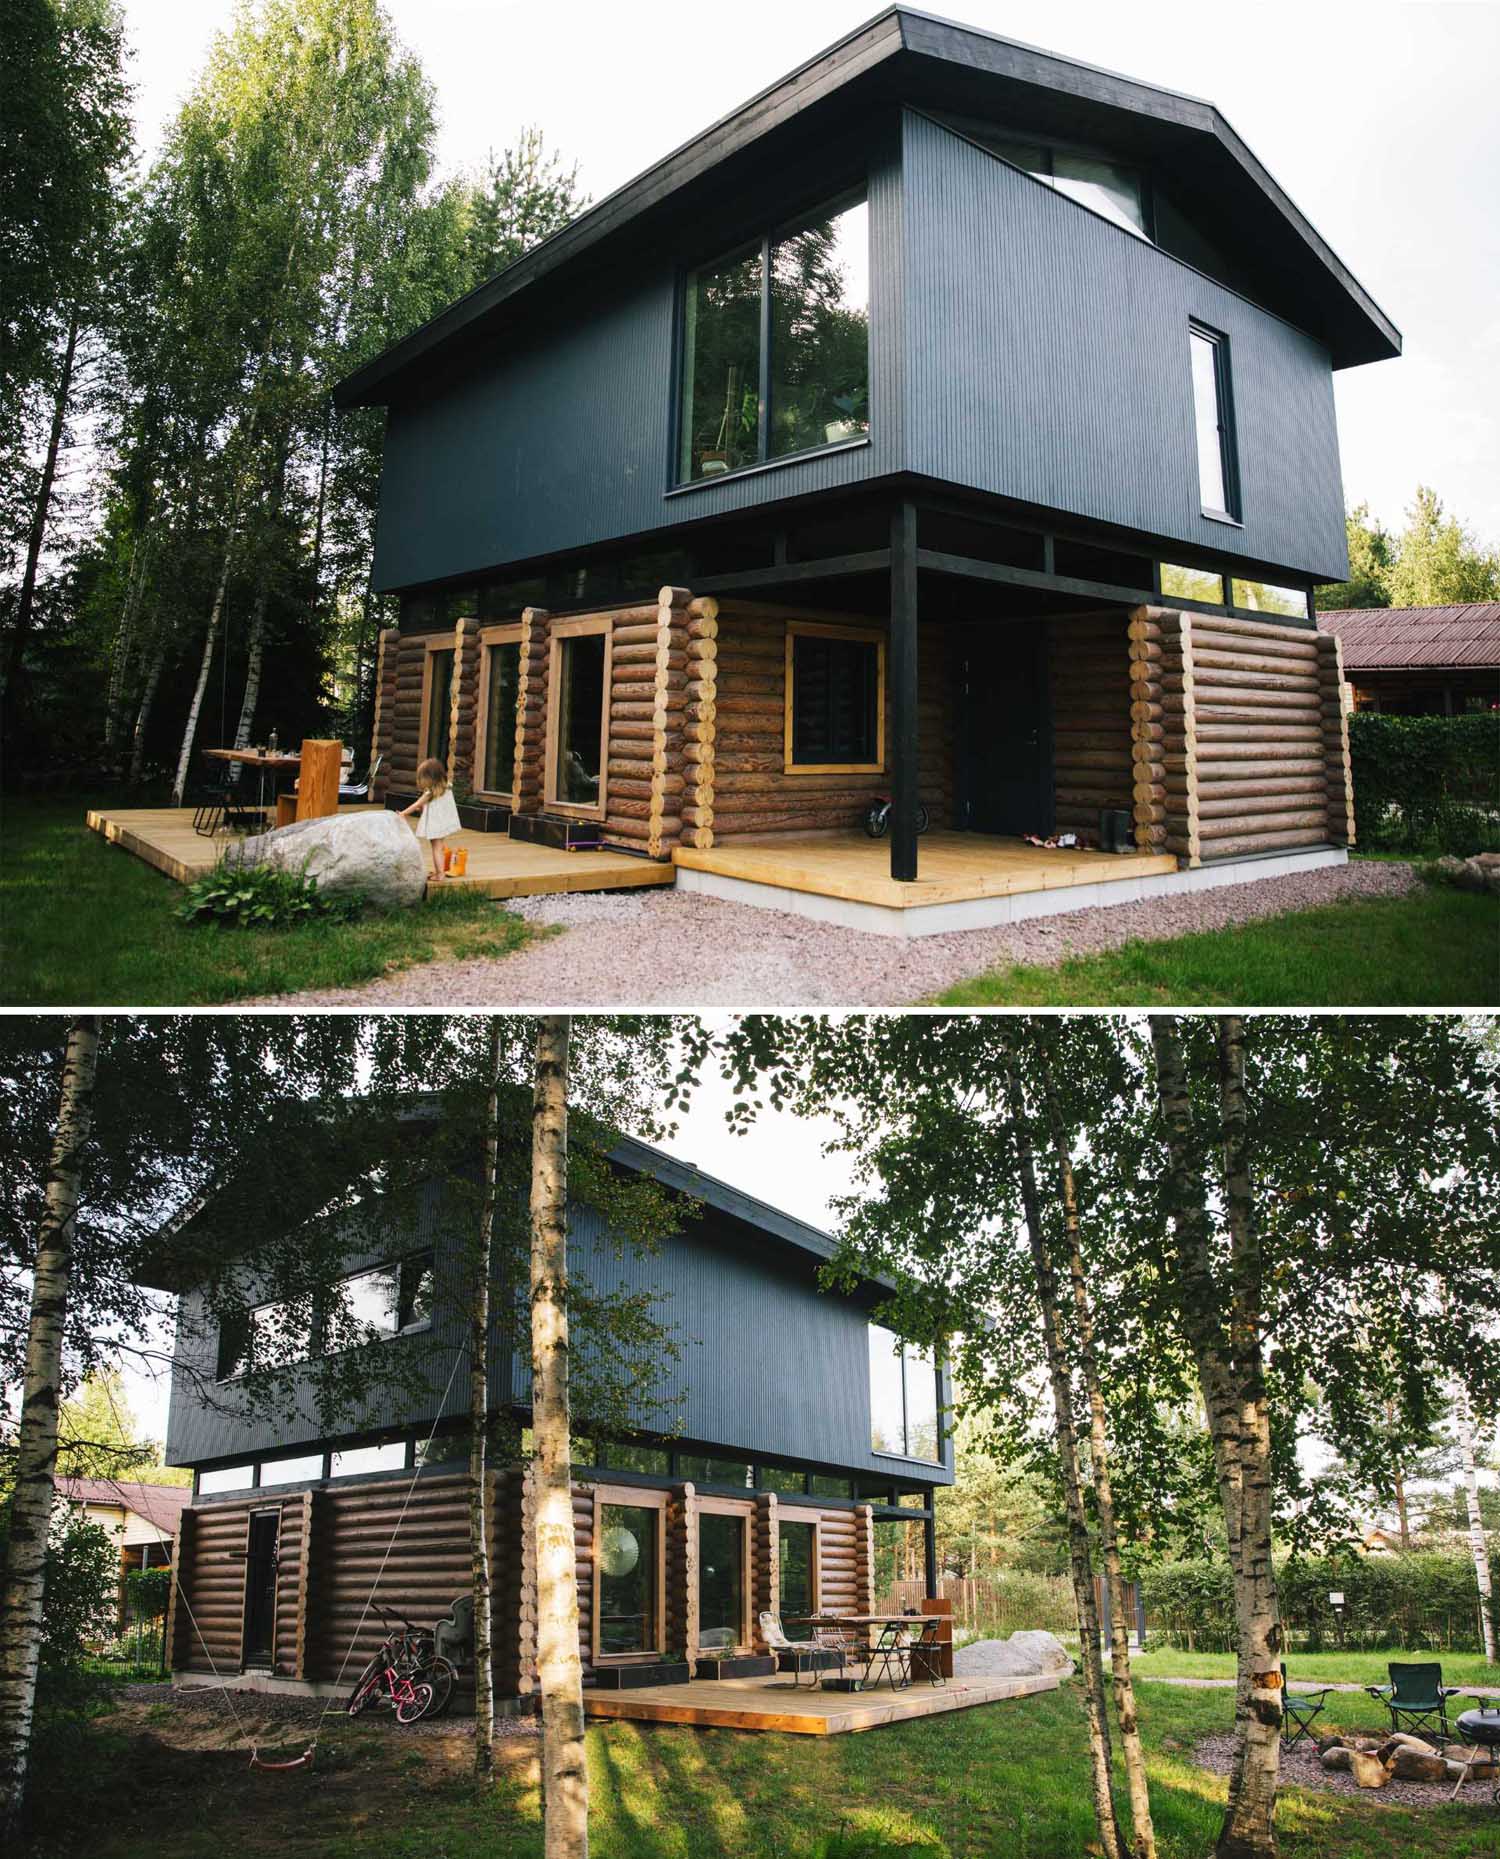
(677, 950)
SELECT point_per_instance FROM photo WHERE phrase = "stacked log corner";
(531, 710)
(699, 725)
(1336, 703)
(405, 730)
(381, 736)
(682, 1573)
(1238, 735)
(765, 1593)
(463, 712)
(647, 711)
(864, 1544)
(1092, 762)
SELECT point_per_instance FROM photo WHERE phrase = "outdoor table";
(264, 763)
(863, 1622)
(1481, 1730)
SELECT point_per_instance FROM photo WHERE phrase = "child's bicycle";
(878, 817)
(406, 1672)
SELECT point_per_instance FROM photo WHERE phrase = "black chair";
(1416, 1697)
(926, 1655)
(1299, 1712)
(890, 1657)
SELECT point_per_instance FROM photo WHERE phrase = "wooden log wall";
(531, 710)
(752, 793)
(210, 1629)
(765, 1590)
(648, 710)
(583, 1551)
(386, 650)
(843, 1585)
(406, 714)
(864, 1544)
(1148, 713)
(513, 1581)
(288, 1642)
(1092, 761)
(464, 712)
(682, 1573)
(1337, 702)
(699, 728)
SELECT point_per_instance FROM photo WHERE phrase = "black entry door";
(1005, 771)
(260, 1588)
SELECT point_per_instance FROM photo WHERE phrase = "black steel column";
(929, 1556)
(903, 676)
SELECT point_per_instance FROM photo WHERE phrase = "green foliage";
(147, 1592)
(1426, 783)
(1436, 561)
(98, 1436)
(261, 897)
(523, 197)
(1419, 1602)
(83, 1565)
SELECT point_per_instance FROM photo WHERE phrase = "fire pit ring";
(1480, 1729)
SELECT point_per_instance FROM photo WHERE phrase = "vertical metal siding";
(1048, 361)
(565, 441)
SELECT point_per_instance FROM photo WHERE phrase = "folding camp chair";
(890, 1658)
(1298, 1713)
(926, 1659)
(1415, 1697)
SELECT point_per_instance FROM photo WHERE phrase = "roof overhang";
(906, 56)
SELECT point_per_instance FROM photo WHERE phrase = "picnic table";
(319, 794)
(863, 1624)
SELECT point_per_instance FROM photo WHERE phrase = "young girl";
(437, 809)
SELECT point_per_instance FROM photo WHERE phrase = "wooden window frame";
(867, 635)
(815, 1524)
(745, 1511)
(635, 1497)
(577, 629)
(439, 642)
(507, 634)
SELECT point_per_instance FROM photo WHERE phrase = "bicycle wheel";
(924, 819)
(416, 1704)
(366, 1688)
(877, 819)
(440, 1676)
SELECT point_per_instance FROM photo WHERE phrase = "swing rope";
(305, 1759)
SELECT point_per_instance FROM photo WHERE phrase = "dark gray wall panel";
(1048, 362)
(567, 441)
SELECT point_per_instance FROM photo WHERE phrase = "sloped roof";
(1429, 638)
(161, 1505)
(904, 54)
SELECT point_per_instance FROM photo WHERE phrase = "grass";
(85, 923)
(1332, 1667)
(1003, 1779)
(1437, 947)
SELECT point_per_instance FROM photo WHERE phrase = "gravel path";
(1302, 1769)
(671, 949)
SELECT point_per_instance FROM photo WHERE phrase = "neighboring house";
(954, 420)
(143, 1518)
(1420, 661)
(799, 1432)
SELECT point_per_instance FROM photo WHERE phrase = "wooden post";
(903, 685)
(318, 779)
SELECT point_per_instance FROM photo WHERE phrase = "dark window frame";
(1218, 343)
(794, 759)
(855, 195)
(904, 1354)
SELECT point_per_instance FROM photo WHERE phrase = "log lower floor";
(767, 1704)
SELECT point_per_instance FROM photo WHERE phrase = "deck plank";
(953, 867)
(763, 1705)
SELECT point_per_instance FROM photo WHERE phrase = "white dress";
(439, 817)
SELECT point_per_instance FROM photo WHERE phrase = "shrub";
(1426, 783)
(83, 1564)
(261, 897)
(1417, 1602)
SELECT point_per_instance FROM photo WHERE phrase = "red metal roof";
(1382, 638)
(158, 1504)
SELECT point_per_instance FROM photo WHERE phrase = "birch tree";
(479, 1417)
(1463, 1421)
(41, 1401)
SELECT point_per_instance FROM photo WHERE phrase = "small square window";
(836, 700)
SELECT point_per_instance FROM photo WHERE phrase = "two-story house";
(800, 1431)
(954, 421)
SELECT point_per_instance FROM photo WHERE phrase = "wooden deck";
(498, 866)
(952, 867)
(770, 1704)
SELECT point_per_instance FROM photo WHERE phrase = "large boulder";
(1023, 1655)
(374, 854)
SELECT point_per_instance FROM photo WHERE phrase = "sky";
(1378, 120)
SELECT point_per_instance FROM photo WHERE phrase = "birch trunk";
(565, 1787)
(119, 660)
(210, 639)
(1111, 1837)
(479, 1422)
(36, 1437)
(254, 657)
(1478, 1547)
(143, 713)
(1104, 1498)
(37, 534)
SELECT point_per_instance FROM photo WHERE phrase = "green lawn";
(84, 923)
(1351, 1668)
(1437, 948)
(1007, 1779)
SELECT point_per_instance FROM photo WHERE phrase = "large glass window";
(797, 1543)
(627, 1555)
(357, 1459)
(1264, 597)
(744, 400)
(903, 1398)
(1179, 583)
(291, 1471)
(837, 683)
(721, 1578)
(391, 1298)
(439, 715)
(502, 673)
(1212, 422)
(708, 1471)
(1107, 187)
(226, 1478)
(234, 1343)
(578, 666)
